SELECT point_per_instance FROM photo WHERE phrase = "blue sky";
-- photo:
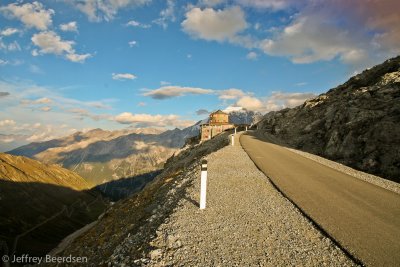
(75, 65)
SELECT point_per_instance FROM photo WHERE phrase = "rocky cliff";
(356, 123)
(244, 117)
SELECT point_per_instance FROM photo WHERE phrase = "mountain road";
(363, 218)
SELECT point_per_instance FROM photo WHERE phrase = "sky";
(75, 65)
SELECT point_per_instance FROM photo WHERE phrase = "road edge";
(313, 223)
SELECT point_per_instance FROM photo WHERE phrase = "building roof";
(218, 112)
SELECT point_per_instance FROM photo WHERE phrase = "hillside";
(356, 123)
(41, 204)
(142, 213)
(20, 169)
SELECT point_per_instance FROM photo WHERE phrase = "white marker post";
(203, 185)
(233, 140)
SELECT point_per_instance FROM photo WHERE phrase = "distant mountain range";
(356, 123)
(102, 156)
(40, 204)
(244, 117)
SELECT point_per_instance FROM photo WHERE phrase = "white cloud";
(310, 38)
(39, 101)
(230, 109)
(164, 83)
(230, 94)
(43, 100)
(290, 100)
(301, 84)
(25, 103)
(80, 111)
(123, 76)
(266, 4)
(132, 43)
(10, 47)
(69, 27)
(33, 15)
(22, 133)
(45, 109)
(6, 139)
(250, 103)
(170, 91)
(134, 23)
(35, 52)
(14, 46)
(51, 43)
(86, 113)
(174, 91)
(7, 122)
(146, 120)
(218, 25)
(9, 31)
(128, 118)
(167, 14)
(4, 62)
(41, 136)
(278, 100)
(78, 57)
(98, 10)
(35, 69)
(252, 55)
(359, 33)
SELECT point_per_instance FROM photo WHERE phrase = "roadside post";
(203, 184)
(233, 139)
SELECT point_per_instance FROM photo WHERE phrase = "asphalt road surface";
(363, 218)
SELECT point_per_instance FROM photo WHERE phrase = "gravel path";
(247, 222)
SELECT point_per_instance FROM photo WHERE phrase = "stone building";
(216, 123)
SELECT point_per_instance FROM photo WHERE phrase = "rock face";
(102, 156)
(356, 123)
(41, 204)
(244, 117)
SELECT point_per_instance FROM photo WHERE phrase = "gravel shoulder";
(247, 222)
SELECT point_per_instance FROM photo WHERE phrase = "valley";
(41, 204)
